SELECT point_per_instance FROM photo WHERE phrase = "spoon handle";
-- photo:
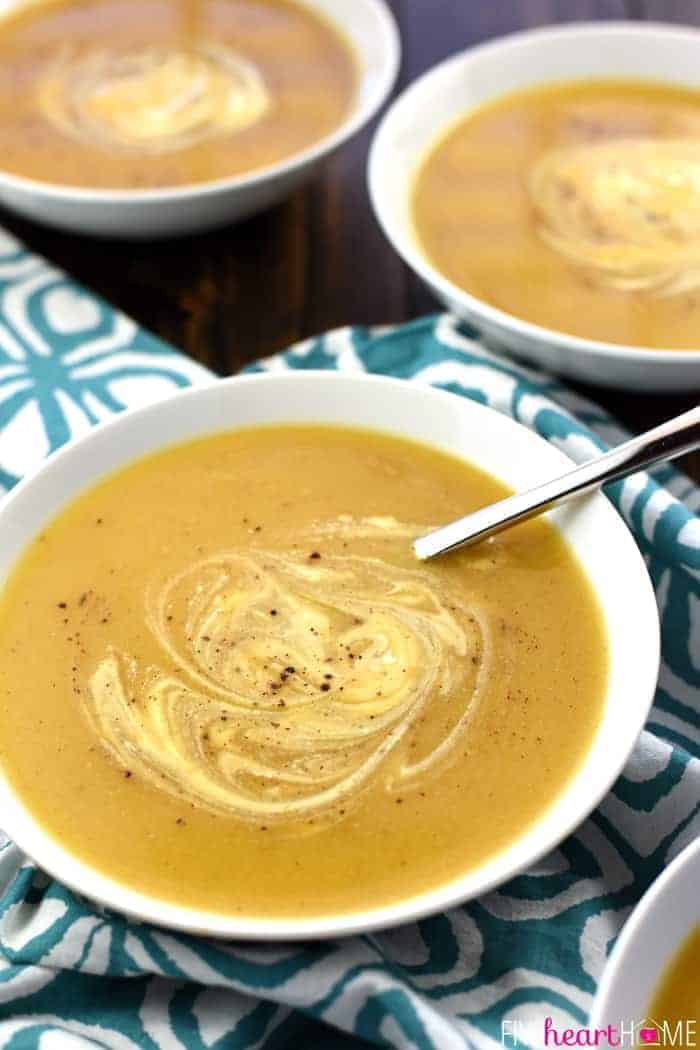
(664, 442)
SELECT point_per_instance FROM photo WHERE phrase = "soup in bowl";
(126, 117)
(546, 187)
(651, 978)
(219, 655)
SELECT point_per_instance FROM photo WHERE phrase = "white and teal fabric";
(73, 977)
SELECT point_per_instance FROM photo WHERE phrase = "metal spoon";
(664, 442)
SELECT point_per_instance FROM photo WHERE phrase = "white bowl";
(369, 28)
(648, 943)
(434, 102)
(505, 449)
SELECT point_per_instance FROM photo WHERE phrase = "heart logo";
(648, 1035)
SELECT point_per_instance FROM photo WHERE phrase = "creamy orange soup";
(152, 93)
(225, 679)
(575, 206)
(677, 999)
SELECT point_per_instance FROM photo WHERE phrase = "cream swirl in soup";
(627, 210)
(289, 678)
(153, 99)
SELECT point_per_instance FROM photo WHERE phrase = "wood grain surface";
(318, 260)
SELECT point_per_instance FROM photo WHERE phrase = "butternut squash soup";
(226, 681)
(575, 206)
(153, 93)
(677, 999)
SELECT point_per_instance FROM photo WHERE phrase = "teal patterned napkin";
(71, 976)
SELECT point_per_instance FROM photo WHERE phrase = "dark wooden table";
(318, 260)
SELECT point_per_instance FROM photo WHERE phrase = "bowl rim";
(357, 116)
(653, 899)
(28, 833)
(406, 245)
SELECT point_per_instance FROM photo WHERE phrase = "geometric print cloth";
(74, 976)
